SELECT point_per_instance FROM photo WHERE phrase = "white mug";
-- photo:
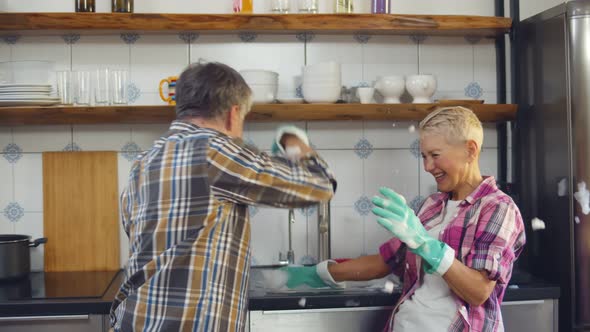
(365, 95)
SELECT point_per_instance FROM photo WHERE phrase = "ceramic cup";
(421, 87)
(171, 97)
(366, 95)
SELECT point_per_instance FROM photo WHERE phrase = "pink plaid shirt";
(487, 235)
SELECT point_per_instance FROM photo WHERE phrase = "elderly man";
(185, 208)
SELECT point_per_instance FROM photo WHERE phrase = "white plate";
(40, 102)
(290, 100)
(23, 85)
(7, 95)
(17, 90)
(26, 97)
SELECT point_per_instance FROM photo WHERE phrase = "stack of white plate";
(26, 95)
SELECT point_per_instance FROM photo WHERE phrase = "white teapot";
(391, 88)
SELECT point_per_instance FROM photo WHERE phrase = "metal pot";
(15, 256)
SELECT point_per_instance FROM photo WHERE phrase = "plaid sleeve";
(243, 175)
(499, 239)
(393, 253)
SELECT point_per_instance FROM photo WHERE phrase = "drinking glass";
(279, 6)
(119, 83)
(83, 91)
(65, 87)
(102, 87)
(308, 6)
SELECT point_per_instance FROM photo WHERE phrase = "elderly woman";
(455, 257)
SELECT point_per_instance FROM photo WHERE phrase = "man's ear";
(234, 115)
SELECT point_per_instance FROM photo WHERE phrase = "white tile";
(348, 170)
(148, 98)
(4, 52)
(391, 134)
(335, 134)
(32, 224)
(342, 49)
(28, 182)
(283, 54)
(37, 6)
(124, 166)
(145, 135)
(347, 230)
(449, 59)
(490, 135)
(395, 169)
(375, 235)
(269, 235)
(42, 138)
(51, 48)
(183, 7)
(92, 52)
(5, 137)
(485, 64)
(389, 55)
(155, 57)
(7, 187)
(492, 97)
(101, 137)
(488, 162)
(450, 7)
(6, 227)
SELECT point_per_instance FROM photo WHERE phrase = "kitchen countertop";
(527, 290)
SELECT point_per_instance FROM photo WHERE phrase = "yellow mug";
(171, 98)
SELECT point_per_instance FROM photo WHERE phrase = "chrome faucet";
(324, 226)
(290, 253)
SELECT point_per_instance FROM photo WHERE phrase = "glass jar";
(380, 6)
(344, 6)
(243, 6)
(308, 6)
(122, 6)
(280, 6)
(84, 6)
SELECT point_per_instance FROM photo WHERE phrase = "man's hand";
(291, 142)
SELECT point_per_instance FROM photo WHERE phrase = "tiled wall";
(364, 155)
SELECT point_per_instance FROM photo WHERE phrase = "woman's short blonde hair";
(457, 124)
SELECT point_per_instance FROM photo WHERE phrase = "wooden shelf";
(488, 26)
(261, 113)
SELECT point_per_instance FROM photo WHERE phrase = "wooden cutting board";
(81, 211)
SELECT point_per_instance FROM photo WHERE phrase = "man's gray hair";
(209, 90)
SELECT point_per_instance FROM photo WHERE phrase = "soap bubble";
(412, 129)
(537, 224)
(302, 302)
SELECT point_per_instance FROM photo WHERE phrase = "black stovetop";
(57, 285)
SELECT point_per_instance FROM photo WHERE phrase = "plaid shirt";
(185, 211)
(487, 235)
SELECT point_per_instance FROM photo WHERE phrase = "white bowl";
(26, 72)
(260, 76)
(421, 87)
(262, 94)
(315, 93)
(391, 88)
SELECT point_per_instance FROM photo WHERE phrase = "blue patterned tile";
(473, 90)
(416, 203)
(247, 37)
(129, 38)
(130, 151)
(14, 212)
(133, 93)
(12, 153)
(299, 91)
(473, 39)
(363, 148)
(362, 38)
(72, 147)
(188, 37)
(363, 206)
(11, 40)
(415, 148)
(417, 39)
(309, 211)
(308, 260)
(71, 38)
(253, 210)
(305, 36)
(364, 84)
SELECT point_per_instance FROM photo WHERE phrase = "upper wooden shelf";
(261, 113)
(456, 25)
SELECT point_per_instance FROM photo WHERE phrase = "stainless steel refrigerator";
(552, 151)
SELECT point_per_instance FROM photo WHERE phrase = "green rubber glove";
(278, 149)
(316, 276)
(398, 218)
